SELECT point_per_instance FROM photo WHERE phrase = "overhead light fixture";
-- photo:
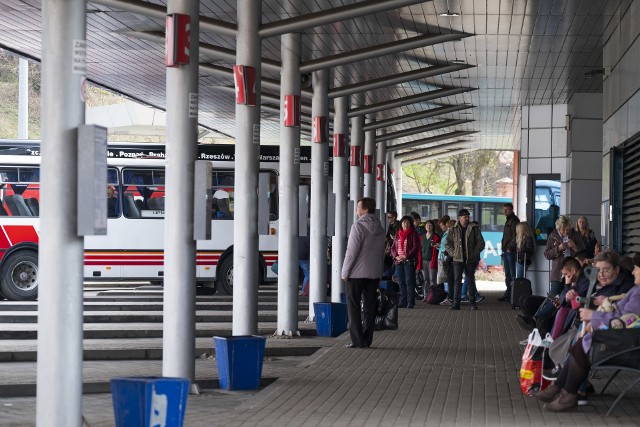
(458, 61)
(449, 14)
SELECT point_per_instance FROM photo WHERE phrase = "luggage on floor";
(387, 310)
(521, 287)
(436, 294)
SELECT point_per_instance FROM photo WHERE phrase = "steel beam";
(217, 52)
(417, 116)
(159, 12)
(437, 156)
(431, 139)
(60, 251)
(378, 50)
(288, 217)
(329, 16)
(433, 149)
(421, 73)
(420, 129)
(245, 223)
(179, 329)
(408, 100)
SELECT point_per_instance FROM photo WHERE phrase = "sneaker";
(447, 301)
(464, 300)
(480, 298)
(582, 401)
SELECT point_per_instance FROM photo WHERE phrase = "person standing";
(304, 248)
(362, 270)
(405, 252)
(562, 242)
(588, 236)
(393, 225)
(429, 247)
(508, 255)
(464, 244)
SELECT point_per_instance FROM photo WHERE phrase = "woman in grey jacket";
(361, 270)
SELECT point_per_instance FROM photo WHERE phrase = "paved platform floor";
(440, 368)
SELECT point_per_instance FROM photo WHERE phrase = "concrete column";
(355, 161)
(23, 99)
(178, 348)
(381, 179)
(288, 191)
(60, 254)
(319, 184)
(340, 189)
(245, 224)
(369, 165)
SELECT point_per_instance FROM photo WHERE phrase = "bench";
(617, 350)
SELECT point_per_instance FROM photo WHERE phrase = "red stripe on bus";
(21, 233)
(123, 262)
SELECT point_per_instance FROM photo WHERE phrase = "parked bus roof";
(132, 150)
(455, 198)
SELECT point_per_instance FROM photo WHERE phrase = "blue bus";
(486, 210)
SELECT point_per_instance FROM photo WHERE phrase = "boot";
(455, 305)
(563, 402)
(548, 394)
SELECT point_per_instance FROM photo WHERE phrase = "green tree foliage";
(9, 70)
(481, 168)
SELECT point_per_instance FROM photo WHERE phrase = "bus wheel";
(19, 276)
(224, 276)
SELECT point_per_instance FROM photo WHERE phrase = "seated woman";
(563, 393)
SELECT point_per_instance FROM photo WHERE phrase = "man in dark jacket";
(362, 270)
(509, 256)
(464, 244)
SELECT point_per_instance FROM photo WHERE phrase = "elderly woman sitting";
(563, 393)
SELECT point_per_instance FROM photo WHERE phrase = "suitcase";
(521, 287)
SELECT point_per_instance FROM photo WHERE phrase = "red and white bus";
(132, 249)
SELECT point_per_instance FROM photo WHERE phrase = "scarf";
(402, 235)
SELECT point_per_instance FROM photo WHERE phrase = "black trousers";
(575, 370)
(361, 316)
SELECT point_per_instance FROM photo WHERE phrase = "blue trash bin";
(239, 361)
(331, 318)
(149, 401)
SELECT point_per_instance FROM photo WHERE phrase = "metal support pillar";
(355, 161)
(245, 224)
(340, 188)
(178, 342)
(369, 162)
(23, 99)
(319, 185)
(61, 252)
(381, 179)
(289, 181)
(397, 167)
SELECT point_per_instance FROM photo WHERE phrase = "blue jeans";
(406, 273)
(509, 271)
(304, 265)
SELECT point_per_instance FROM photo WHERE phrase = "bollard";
(149, 401)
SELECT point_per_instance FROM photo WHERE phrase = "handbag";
(531, 368)
(436, 294)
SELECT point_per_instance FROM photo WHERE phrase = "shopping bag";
(531, 368)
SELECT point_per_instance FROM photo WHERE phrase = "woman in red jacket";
(405, 250)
